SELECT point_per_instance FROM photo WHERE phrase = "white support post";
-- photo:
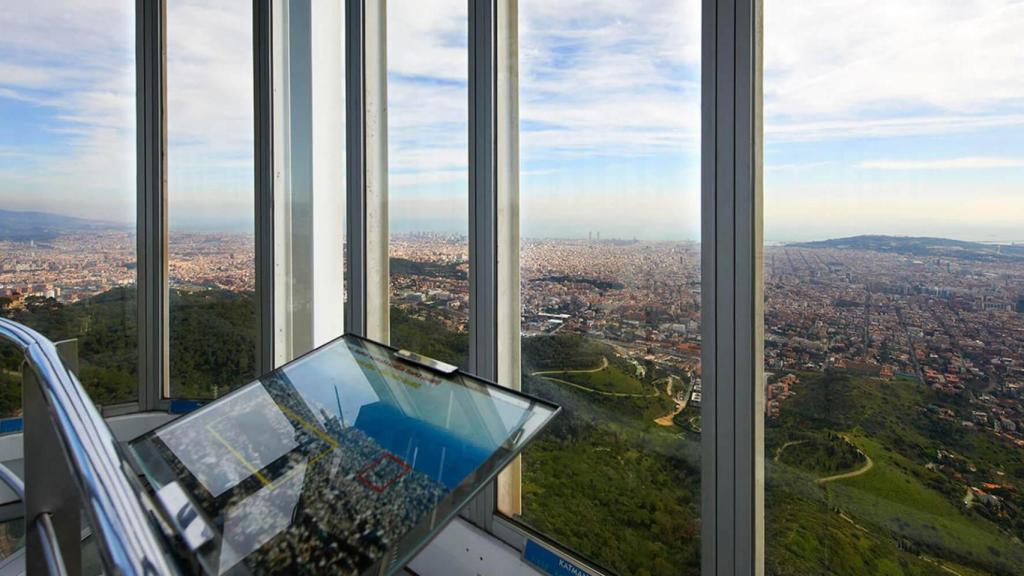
(309, 174)
(509, 306)
(375, 99)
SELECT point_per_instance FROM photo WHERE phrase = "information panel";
(347, 461)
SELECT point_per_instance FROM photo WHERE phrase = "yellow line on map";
(239, 456)
(310, 427)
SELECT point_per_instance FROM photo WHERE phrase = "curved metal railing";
(127, 540)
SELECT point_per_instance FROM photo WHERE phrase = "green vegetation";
(213, 343)
(429, 338)
(105, 328)
(822, 453)
(903, 516)
(604, 479)
(612, 500)
(562, 352)
(404, 267)
(602, 378)
(213, 337)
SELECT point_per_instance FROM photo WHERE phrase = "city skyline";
(866, 131)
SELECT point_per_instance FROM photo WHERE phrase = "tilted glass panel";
(894, 331)
(347, 459)
(67, 190)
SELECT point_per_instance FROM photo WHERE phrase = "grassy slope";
(898, 510)
(630, 509)
(611, 379)
(604, 479)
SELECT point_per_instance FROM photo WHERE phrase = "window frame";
(732, 492)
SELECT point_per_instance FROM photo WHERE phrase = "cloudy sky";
(901, 117)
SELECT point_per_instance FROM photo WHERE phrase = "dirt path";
(858, 472)
(668, 419)
(778, 453)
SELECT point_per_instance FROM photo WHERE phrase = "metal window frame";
(151, 201)
(732, 468)
(732, 491)
(483, 214)
(355, 130)
(153, 296)
(263, 130)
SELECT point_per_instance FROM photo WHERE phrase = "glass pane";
(67, 189)
(610, 266)
(428, 177)
(213, 326)
(349, 454)
(894, 332)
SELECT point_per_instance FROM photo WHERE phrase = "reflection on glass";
(67, 189)
(894, 336)
(210, 179)
(428, 177)
(610, 267)
(349, 457)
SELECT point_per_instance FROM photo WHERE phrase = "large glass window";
(428, 177)
(894, 336)
(610, 266)
(213, 327)
(67, 189)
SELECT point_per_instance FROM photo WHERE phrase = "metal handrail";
(127, 540)
(13, 481)
(50, 546)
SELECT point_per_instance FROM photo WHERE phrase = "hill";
(905, 512)
(922, 246)
(40, 226)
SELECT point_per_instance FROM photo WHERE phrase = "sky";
(902, 117)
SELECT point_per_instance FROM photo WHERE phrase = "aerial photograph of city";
(893, 263)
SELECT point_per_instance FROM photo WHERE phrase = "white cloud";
(74, 62)
(428, 38)
(967, 163)
(609, 77)
(842, 69)
(71, 64)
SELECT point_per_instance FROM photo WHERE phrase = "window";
(609, 126)
(67, 190)
(428, 179)
(894, 338)
(213, 327)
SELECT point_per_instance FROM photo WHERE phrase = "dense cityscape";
(932, 332)
(74, 267)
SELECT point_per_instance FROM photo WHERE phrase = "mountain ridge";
(921, 246)
(24, 226)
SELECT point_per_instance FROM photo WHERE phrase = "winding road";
(604, 364)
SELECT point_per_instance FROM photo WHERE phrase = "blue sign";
(9, 425)
(551, 563)
(184, 406)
